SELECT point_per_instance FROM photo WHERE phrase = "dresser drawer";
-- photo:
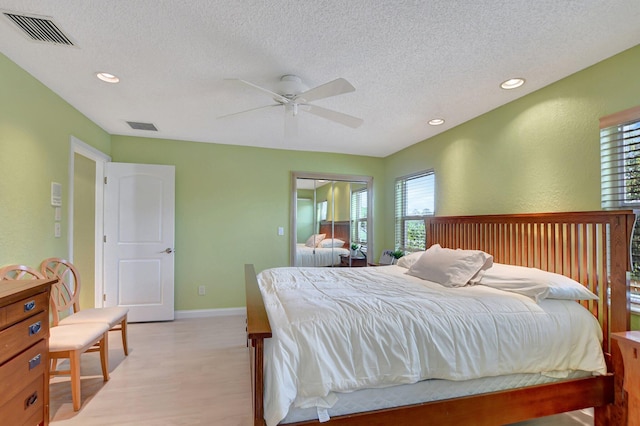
(19, 337)
(22, 369)
(25, 308)
(25, 406)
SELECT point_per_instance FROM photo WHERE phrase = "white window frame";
(402, 216)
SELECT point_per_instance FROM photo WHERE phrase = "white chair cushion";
(111, 315)
(76, 336)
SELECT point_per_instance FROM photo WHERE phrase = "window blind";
(620, 161)
(620, 178)
(414, 199)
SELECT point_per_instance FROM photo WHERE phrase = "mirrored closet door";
(331, 220)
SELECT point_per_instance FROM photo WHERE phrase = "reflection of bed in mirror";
(328, 252)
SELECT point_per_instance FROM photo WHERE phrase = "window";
(415, 199)
(359, 216)
(620, 178)
(322, 211)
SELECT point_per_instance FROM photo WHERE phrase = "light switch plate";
(56, 230)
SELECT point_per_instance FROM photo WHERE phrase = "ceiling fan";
(294, 96)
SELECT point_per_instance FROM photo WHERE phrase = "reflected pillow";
(534, 282)
(451, 268)
(331, 243)
(408, 260)
(314, 240)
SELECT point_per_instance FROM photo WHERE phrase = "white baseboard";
(205, 313)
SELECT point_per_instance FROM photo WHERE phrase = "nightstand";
(629, 342)
(354, 262)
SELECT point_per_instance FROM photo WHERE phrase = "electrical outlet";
(56, 230)
(201, 290)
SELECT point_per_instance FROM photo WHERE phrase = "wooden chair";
(69, 341)
(66, 301)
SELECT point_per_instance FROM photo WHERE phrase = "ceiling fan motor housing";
(290, 85)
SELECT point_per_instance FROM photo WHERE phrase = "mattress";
(338, 330)
(423, 391)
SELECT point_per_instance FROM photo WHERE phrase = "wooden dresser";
(629, 342)
(24, 330)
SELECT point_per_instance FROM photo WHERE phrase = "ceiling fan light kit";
(291, 93)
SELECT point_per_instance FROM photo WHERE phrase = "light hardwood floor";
(185, 372)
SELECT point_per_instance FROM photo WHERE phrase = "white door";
(139, 228)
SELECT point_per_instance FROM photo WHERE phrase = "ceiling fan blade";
(338, 117)
(275, 96)
(249, 110)
(332, 88)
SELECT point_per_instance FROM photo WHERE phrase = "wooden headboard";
(340, 230)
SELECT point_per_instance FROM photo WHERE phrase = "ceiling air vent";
(142, 126)
(40, 29)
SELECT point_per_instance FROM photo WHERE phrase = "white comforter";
(341, 329)
(318, 256)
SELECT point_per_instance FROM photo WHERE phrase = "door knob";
(168, 250)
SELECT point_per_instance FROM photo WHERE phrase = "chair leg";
(104, 356)
(74, 367)
(123, 330)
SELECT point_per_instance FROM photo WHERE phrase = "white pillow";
(408, 260)
(331, 243)
(534, 282)
(314, 240)
(451, 268)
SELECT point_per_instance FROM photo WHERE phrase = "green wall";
(338, 198)
(539, 153)
(35, 130)
(230, 201)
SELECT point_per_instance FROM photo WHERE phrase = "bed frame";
(590, 247)
(338, 229)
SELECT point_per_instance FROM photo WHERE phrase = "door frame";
(293, 213)
(99, 158)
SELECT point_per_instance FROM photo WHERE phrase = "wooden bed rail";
(258, 329)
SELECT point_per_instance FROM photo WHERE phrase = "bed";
(319, 256)
(325, 256)
(589, 247)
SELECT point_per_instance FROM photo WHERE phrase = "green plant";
(397, 254)
(355, 246)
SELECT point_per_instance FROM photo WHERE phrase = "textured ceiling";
(409, 61)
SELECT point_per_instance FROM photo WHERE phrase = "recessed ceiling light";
(436, 121)
(512, 83)
(109, 78)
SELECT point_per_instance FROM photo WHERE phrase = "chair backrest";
(66, 293)
(19, 272)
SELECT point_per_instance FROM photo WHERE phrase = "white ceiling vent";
(142, 126)
(39, 28)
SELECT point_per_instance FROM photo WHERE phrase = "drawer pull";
(31, 400)
(35, 361)
(35, 328)
(29, 305)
